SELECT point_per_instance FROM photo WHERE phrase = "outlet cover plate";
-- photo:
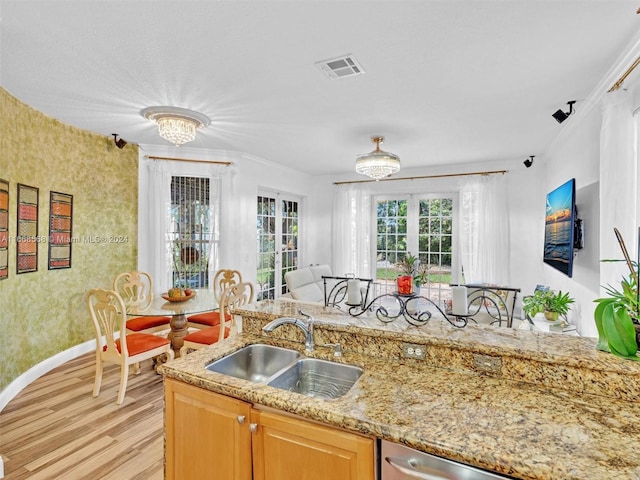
(413, 350)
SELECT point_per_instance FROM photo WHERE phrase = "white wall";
(576, 154)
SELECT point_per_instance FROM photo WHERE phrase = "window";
(190, 238)
(277, 242)
(422, 225)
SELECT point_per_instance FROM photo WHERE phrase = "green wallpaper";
(43, 313)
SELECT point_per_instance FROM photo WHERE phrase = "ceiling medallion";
(177, 125)
(377, 164)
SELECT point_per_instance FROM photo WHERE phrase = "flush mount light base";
(377, 164)
(561, 116)
(177, 125)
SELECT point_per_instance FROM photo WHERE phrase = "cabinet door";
(204, 438)
(286, 448)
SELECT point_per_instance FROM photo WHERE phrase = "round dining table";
(203, 301)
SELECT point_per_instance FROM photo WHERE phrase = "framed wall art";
(4, 229)
(60, 228)
(27, 233)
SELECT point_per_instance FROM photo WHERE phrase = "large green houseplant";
(616, 315)
(553, 304)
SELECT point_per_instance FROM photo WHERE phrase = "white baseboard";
(35, 372)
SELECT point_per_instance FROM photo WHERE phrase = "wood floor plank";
(56, 429)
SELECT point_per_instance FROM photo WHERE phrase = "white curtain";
(484, 230)
(352, 231)
(155, 217)
(618, 185)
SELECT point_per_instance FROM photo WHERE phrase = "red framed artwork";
(27, 233)
(60, 228)
(4, 229)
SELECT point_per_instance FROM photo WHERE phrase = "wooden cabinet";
(208, 435)
(286, 448)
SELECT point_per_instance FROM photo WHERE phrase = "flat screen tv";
(559, 227)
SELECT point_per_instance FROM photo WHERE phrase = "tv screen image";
(559, 227)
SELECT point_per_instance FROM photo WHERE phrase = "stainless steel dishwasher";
(403, 463)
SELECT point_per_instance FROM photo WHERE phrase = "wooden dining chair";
(222, 279)
(136, 289)
(114, 344)
(233, 297)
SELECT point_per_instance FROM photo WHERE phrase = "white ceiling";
(446, 81)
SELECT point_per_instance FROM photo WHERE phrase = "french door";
(422, 225)
(277, 241)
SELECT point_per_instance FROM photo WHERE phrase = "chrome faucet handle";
(337, 348)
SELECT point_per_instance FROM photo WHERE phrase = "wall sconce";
(561, 116)
(120, 143)
(529, 161)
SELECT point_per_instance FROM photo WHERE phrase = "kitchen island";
(524, 404)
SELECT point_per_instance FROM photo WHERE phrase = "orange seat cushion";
(208, 318)
(141, 342)
(207, 336)
(139, 324)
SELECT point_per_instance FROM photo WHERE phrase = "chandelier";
(177, 125)
(377, 164)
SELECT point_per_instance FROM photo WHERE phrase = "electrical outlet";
(487, 363)
(412, 350)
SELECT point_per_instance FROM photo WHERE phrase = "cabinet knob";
(240, 419)
(253, 427)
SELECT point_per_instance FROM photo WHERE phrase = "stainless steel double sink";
(287, 369)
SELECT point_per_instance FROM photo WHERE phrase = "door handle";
(253, 427)
(240, 419)
(407, 467)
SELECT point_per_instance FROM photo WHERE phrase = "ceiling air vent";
(345, 66)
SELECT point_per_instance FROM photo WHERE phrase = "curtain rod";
(624, 76)
(215, 162)
(493, 172)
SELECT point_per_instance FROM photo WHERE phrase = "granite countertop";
(556, 408)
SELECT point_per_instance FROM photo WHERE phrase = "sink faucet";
(307, 328)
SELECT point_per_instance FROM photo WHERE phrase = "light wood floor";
(55, 429)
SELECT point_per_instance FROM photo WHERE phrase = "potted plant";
(408, 266)
(616, 318)
(553, 304)
(617, 315)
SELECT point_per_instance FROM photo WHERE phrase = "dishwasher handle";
(405, 466)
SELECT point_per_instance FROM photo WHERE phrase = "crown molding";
(593, 100)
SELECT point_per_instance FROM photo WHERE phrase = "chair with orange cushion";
(221, 280)
(232, 298)
(136, 289)
(114, 344)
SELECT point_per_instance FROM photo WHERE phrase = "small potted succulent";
(553, 304)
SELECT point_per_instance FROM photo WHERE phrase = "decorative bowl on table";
(178, 296)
